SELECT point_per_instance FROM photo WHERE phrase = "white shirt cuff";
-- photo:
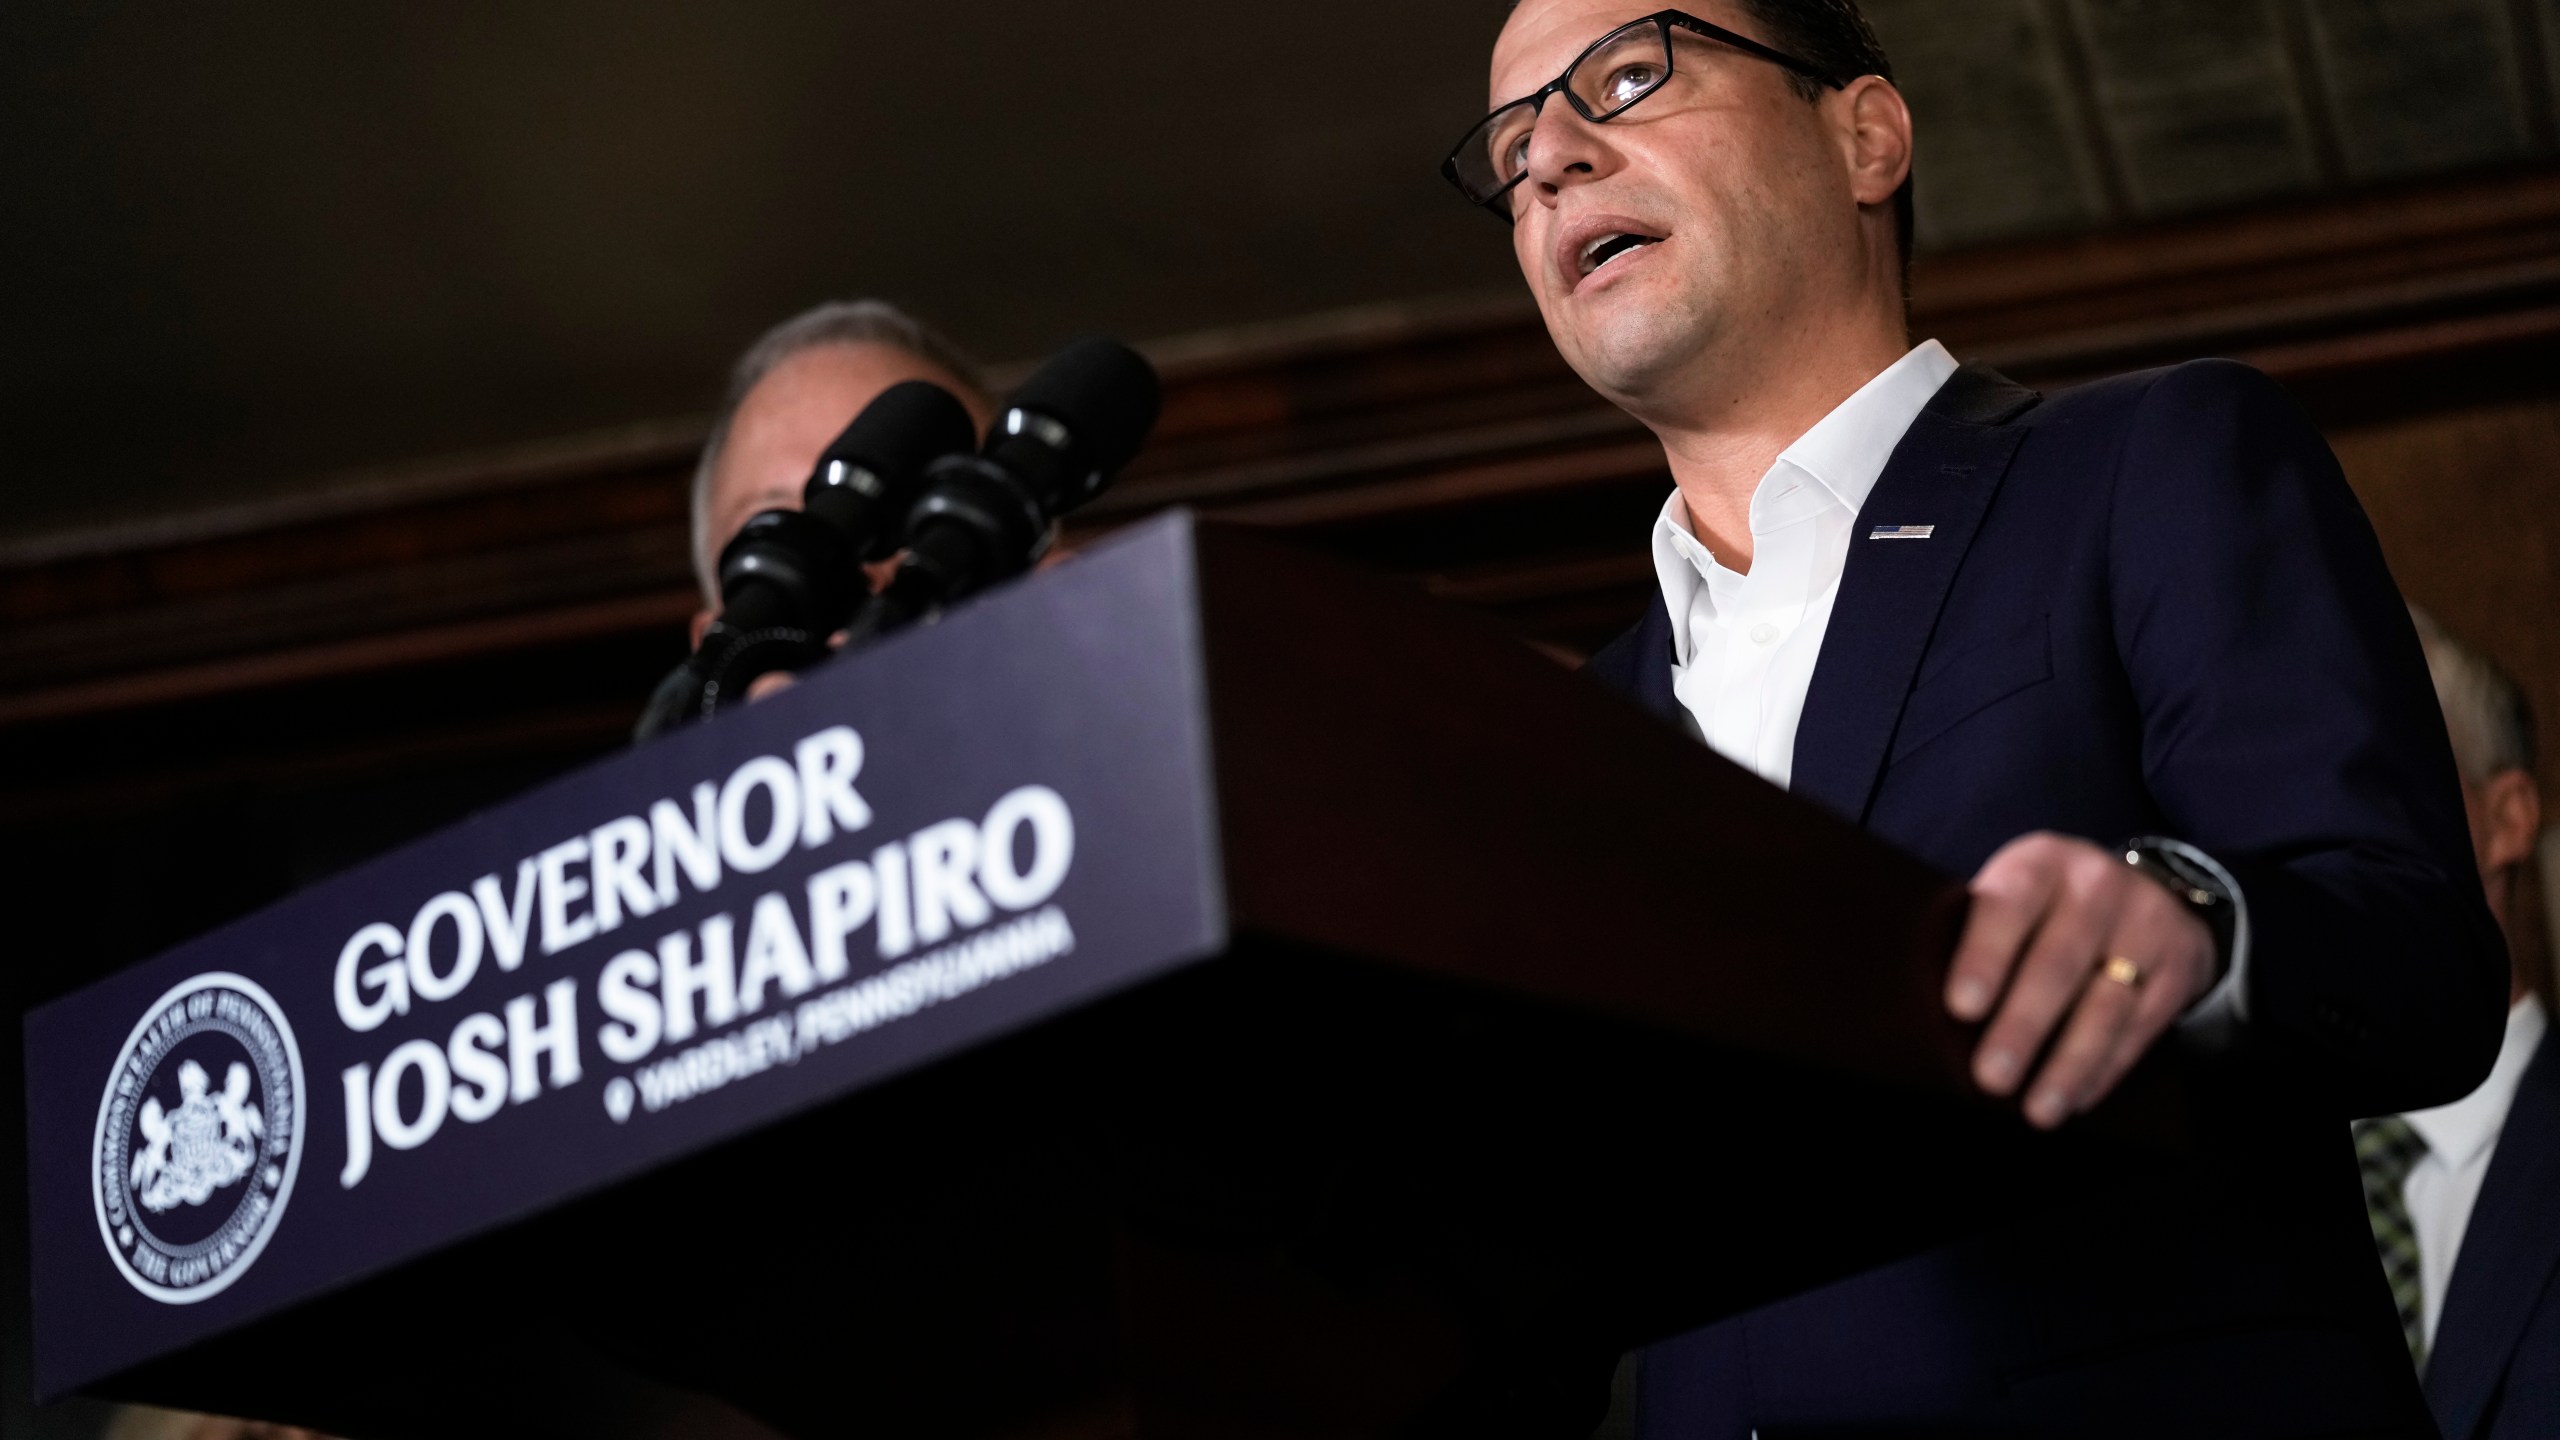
(2225, 1007)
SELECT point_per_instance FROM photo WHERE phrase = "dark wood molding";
(644, 448)
(293, 664)
(1447, 440)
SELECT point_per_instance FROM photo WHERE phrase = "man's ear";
(2512, 807)
(1878, 135)
(701, 621)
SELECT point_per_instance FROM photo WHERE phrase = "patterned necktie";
(2386, 1150)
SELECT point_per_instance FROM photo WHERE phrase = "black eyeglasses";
(1621, 68)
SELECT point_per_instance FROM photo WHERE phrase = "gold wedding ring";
(2122, 971)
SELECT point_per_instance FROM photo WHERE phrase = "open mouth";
(1601, 249)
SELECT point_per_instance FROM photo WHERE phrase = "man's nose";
(1564, 150)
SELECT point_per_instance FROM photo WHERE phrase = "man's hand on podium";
(2066, 938)
(772, 682)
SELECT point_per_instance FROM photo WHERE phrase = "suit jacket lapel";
(2510, 1254)
(1654, 654)
(1638, 662)
(1943, 474)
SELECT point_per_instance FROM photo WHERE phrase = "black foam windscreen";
(1105, 393)
(905, 428)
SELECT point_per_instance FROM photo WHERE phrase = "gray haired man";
(2462, 1197)
(790, 394)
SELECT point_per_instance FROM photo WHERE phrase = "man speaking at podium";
(2128, 655)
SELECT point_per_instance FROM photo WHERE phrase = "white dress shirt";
(1743, 645)
(2442, 1187)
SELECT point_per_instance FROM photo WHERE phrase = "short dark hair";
(1832, 36)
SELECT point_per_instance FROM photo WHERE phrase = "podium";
(1197, 991)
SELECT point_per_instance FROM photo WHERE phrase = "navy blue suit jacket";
(2149, 605)
(2495, 1371)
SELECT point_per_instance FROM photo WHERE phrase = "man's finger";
(2175, 962)
(2153, 1011)
(2048, 980)
(2010, 896)
(2107, 1008)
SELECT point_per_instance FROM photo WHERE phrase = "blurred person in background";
(791, 393)
(2465, 1198)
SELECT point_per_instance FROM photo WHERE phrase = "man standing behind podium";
(791, 393)
(2128, 655)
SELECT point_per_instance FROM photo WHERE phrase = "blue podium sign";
(947, 837)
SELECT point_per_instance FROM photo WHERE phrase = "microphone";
(791, 578)
(983, 518)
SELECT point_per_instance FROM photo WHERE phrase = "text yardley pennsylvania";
(937, 885)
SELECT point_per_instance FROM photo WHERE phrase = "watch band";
(2196, 883)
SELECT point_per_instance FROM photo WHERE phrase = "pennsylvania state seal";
(198, 1138)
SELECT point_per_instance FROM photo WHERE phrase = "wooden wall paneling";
(1447, 441)
(2467, 503)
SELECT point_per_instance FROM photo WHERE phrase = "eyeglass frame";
(1662, 21)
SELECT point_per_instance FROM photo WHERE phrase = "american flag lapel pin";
(1902, 532)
